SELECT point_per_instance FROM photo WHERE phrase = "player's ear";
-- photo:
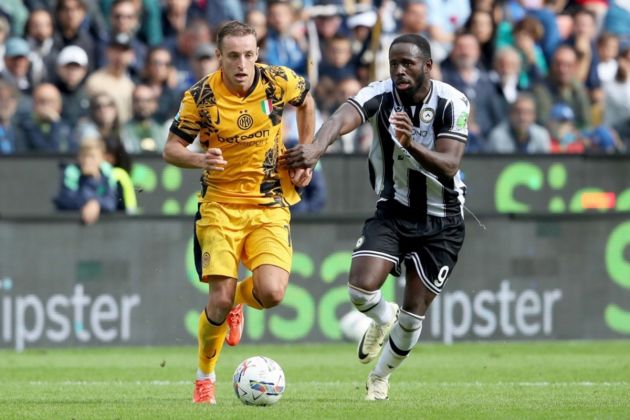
(428, 65)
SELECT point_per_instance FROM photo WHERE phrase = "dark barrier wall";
(130, 280)
(503, 184)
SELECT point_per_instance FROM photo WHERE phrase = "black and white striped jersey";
(394, 173)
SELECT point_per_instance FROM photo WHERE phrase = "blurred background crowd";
(543, 76)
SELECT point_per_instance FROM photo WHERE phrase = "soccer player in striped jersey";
(420, 131)
(243, 213)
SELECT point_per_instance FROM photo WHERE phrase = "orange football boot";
(204, 392)
(235, 321)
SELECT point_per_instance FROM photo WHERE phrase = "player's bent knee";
(219, 306)
(271, 298)
(354, 280)
(363, 299)
(363, 282)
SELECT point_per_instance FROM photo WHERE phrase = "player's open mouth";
(240, 76)
(402, 84)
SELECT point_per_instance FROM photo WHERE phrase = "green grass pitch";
(472, 380)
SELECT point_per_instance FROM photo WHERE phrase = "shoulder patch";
(462, 120)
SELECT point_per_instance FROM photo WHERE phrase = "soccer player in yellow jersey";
(243, 214)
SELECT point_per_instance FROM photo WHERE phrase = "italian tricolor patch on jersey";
(266, 106)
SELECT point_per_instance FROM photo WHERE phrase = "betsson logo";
(244, 137)
(29, 319)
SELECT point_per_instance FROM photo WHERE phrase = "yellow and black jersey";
(248, 130)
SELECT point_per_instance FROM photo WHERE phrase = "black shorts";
(430, 243)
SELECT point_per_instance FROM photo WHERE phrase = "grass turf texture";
(485, 380)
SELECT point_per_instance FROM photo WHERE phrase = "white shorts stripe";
(423, 277)
(376, 254)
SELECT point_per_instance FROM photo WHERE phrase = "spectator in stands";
(562, 86)
(143, 133)
(149, 15)
(336, 69)
(446, 18)
(103, 122)
(217, 12)
(5, 30)
(39, 34)
(325, 95)
(359, 140)
(603, 139)
(71, 15)
(617, 20)
(608, 50)
(617, 98)
(545, 13)
(8, 107)
(17, 65)
(204, 61)
(17, 13)
(284, 45)
(69, 78)
(481, 25)
(328, 23)
(88, 185)
(182, 51)
(506, 74)
(525, 37)
(462, 71)
(567, 138)
(44, 130)
(124, 19)
(583, 40)
(476, 141)
(176, 14)
(361, 25)
(114, 77)
(258, 20)
(597, 7)
(162, 77)
(413, 20)
(520, 134)
(337, 62)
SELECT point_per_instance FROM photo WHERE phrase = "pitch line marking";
(338, 383)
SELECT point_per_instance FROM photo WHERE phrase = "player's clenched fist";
(212, 160)
(301, 177)
(402, 127)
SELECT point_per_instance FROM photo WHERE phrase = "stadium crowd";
(543, 76)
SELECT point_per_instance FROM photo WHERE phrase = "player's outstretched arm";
(305, 117)
(345, 119)
(176, 153)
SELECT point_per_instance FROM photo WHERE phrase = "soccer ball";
(258, 380)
